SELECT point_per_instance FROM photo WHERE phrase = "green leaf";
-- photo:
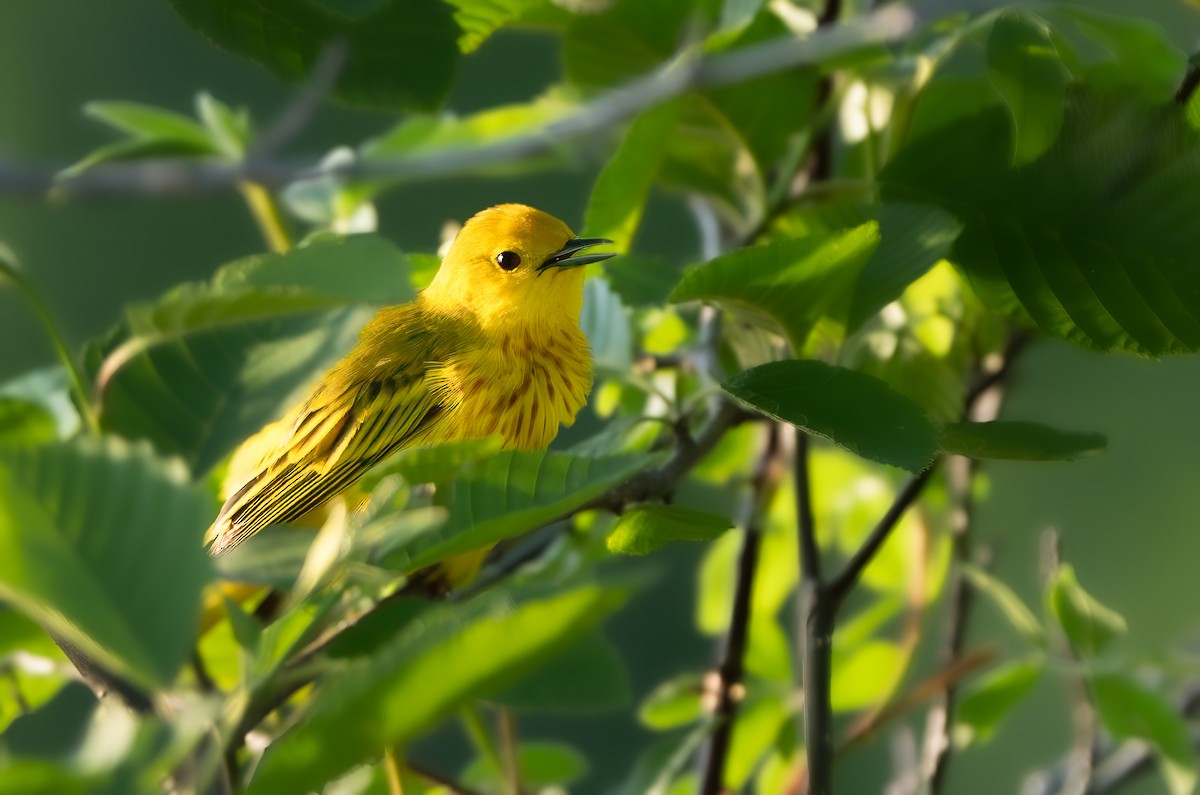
(645, 528)
(451, 655)
(913, 238)
(1085, 242)
(1020, 441)
(793, 282)
(588, 678)
(674, 703)
(148, 123)
(512, 493)
(229, 130)
(542, 764)
(619, 196)
(118, 567)
(1088, 625)
(479, 19)
(29, 777)
(754, 732)
(1025, 68)
(866, 675)
(399, 54)
(659, 766)
(605, 322)
(642, 281)
(855, 411)
(207, 365)
(987, 701)
(1131, 711)
(23, 423)
(1011, 606)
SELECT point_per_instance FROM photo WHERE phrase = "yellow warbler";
(492, 346)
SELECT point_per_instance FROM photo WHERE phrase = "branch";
(1191, 80)
(179, 177)
(729, 687)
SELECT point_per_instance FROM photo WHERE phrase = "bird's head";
(512, 264)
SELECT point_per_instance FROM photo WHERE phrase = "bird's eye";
(508, 260)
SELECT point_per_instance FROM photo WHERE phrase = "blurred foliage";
(977, 177)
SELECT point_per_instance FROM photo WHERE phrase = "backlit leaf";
(643, 529)
(1022, 441)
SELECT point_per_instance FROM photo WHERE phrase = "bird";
(492, 347)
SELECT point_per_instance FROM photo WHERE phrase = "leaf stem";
(267, 215)
(484, 743)
(9, 269)
(391, 767)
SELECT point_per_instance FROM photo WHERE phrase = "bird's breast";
(521, 387)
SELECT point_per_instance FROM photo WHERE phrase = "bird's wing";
(329, 442)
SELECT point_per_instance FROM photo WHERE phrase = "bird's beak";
(569, 257)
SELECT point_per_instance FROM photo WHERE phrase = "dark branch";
(729, 687)
(1191, 80)
(810, 555)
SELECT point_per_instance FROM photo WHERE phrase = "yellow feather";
(484, 350)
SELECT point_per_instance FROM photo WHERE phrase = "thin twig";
(728, 679)
(299, 113)
(159, 177)
(437, 779)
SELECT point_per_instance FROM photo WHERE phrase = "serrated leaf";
(1088, 625)
(512, 493)
(23, 423)
(450, 655)
(619, 196)
(913, 238)
(479, 19)
(1129, 710)
(1086, 242)
(643, 529)
(399, 55)
(987, 701)
(1010, 605)
(855, 411)
(793, 282)
(588, 678)
(1019, 441)
(207, 365)
(118, 567)
(1024, 66)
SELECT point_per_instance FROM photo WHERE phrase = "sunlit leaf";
(23, 423)
(643, 529)
(1088, 625)
(541, 764)
(1022, 441)
(147, 122)
(398, 54)
(987, 701)
(1129, 710)
(1024, 67)
(866, 675)
(619, 196)
(754, 732)
(449, 656)
(479, 19)
(116, 569)
(855, 411)
(794, 283)
(676, 702)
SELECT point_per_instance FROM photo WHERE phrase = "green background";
(88, 258)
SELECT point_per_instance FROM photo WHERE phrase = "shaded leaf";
(116, 569)
(1089, 242)
(1131, 711)
(399, 54)
(1021, 441)
(1010, 605)
(150, 123)
(793, 282)
(987, 701)
(1024, 66)
(913, 238)
(541, 764)
(676, 702)
(643, 529)
(658, 767)
(509, 494)
(605, 322)
(588, 678)
(437, 663)
(209, 364)
(1088, 625)
(855, 411)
